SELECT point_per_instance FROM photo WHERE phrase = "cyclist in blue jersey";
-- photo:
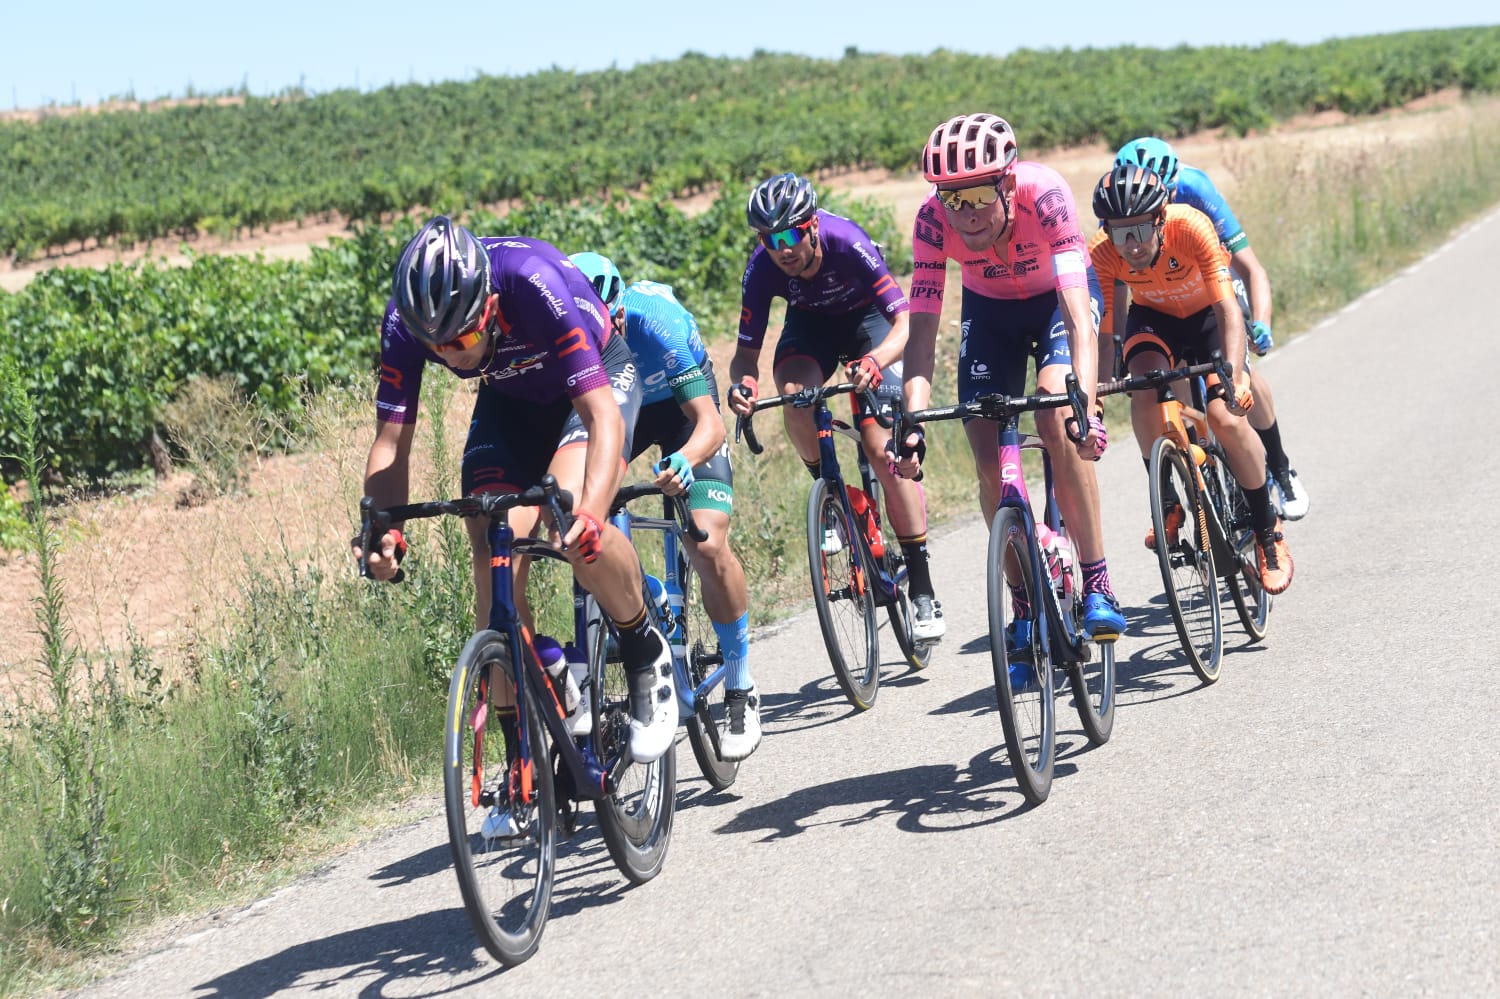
(558, 393)
(680, 415)
(1192, 187)
(842, 305)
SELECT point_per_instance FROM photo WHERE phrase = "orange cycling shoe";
(1273, 559)
(1175, 517)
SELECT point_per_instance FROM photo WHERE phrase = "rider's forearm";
(918, 359)
(1083, 338)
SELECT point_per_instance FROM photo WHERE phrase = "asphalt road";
(1324, 820)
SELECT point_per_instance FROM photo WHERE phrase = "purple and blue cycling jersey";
(547, 345)
(853, 275)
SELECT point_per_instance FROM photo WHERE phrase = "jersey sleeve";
(755, 300)
(402, 362)
(929, 258)
(547, 310)
(1107, 263)
(1057, 215)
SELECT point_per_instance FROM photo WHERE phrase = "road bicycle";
(1200, 517)
(1035, 599)
(513, 773)
(696, 657)
(854, 562)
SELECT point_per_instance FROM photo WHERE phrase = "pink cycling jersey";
(1045, 248)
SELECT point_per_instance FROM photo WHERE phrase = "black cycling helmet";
(781, 202)
(1128, 190)
(442, 281)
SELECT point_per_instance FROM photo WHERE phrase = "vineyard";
(102, 353)
(669, 127)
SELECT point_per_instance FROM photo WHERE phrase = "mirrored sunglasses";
(969, 197)
(1142, 231)
(785, 239)
(475, 333)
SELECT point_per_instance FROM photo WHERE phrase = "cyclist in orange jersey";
(1183, 308)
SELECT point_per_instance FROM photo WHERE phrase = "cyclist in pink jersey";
(1029, 291)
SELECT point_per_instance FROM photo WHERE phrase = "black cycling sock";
(639, 642)
(814, 468)
(918, 572)
(1271, 438)
(1262, 514)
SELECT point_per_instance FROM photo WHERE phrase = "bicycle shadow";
(922, 799)
(437, 945)
(370, 960)
(1157, 668)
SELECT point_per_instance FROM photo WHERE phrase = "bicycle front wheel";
(1023, 675)
(709, 719)
(636, 819)
(1185, 553)
(842, 596)
(499, 801)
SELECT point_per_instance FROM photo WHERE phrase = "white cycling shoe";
(653, 707)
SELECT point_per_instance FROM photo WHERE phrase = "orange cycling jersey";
(1190, 274)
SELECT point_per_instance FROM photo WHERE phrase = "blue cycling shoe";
(1018, 641)
(1102, 619)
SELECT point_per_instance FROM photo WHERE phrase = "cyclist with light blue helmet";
(1192, 187)
(680, 415)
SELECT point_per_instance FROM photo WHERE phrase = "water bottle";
(554, 660)
(865, 516)
(661, 609)
(1065, 594)
(581, 719)
(1052, 563)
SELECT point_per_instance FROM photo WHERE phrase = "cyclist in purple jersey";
(843, 306)
(516, 314)
(1192, 187)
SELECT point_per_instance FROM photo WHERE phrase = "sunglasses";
(1142, 231)
(785, 239)
(970, 197)
(475, 333)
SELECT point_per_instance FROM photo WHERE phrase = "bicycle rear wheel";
(709, 718)
(1251, 602)
(635, 820)
(505, 880)
(842, 596)
(1186, 557)
(1092, 674)
(1023, 688)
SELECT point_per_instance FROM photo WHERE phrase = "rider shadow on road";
(366, 961)
(922, 799)
(1157, 668)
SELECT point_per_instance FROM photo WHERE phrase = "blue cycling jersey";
(1195, 190)
(665, 340)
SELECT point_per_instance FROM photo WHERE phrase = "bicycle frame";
(829, 470)
(591, 777)
(673, 553)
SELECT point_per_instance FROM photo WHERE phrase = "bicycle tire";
(1252, 603)
(1187, 562)
(636, 819)
(843, 598)
(710, 717)
(506, 884)
(1028, 713)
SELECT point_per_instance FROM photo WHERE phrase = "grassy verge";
(147, 783)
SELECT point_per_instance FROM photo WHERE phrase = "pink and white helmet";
(975, 147)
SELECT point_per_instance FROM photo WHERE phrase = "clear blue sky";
(54, 51)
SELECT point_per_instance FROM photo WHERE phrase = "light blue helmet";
(603, 275)
(1153, 154)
